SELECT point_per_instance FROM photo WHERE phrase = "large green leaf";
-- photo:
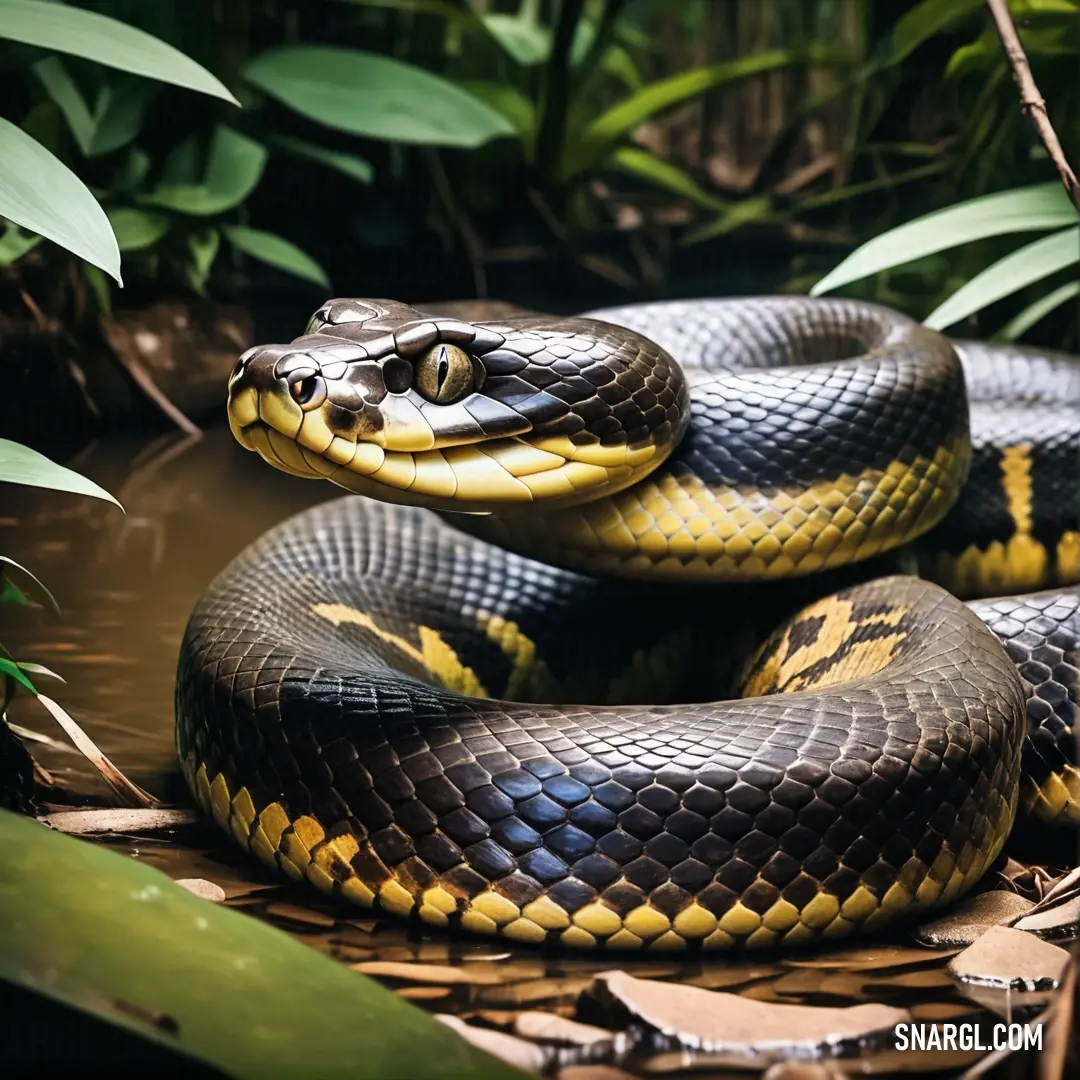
(1031, 263)
(376, 96)
(1028, 209)
(40, 193)
(133, 949)
(276, 251)
(633, 111)
(1035, 312)
(21, 465)
(68, 29)
(234, 168)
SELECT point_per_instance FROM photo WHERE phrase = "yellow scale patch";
(782, 668)
(675, 525)
(436, 657)
(1019, 564)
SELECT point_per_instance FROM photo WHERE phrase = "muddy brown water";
(126, 584)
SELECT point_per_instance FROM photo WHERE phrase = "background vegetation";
(559, 153)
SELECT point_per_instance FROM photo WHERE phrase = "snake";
(728, 623)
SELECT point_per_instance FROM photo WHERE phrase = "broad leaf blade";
(375, 96)
(1031, 263)
(40, 193)
(128, 946)
(276, 251)
(21, 465)
(68, 29)
(1027, 209)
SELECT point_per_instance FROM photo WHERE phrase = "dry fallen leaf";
(116, 822)
(1056, 916)
(511, 1049)
(804, 1070)
(423, 993)
(1004, 959)
(302, 916)
(592, 1072)
(870, 958)
(201, 887)
(429, 973)
(971, 919)
(705, 1020)
(535, 990)
(544, 1027)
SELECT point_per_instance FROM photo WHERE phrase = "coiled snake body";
(357, 691)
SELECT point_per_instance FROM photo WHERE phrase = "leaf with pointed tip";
(67, 29)
(21, 465)
(1027, 209)
(377, 96)
(40, 193)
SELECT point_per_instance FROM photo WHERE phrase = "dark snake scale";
(701, 503)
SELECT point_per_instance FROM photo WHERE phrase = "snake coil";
(357, 691)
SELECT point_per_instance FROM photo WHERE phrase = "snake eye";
(309, 392)
(444, 374)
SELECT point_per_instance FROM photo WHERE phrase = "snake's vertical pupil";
(444, 374)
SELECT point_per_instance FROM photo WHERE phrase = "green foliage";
(522, 122)
(375, 96)
(21, 465)
(105, 113)
(135, 950)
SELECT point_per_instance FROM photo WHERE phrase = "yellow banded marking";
(436, 657)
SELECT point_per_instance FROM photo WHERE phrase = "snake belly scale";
(357, 692)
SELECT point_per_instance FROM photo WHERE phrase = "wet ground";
(126, 584)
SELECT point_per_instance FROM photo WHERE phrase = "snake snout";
(273, 386)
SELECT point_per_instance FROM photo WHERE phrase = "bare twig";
(1031, 101)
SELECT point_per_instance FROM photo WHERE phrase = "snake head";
(388, 401)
